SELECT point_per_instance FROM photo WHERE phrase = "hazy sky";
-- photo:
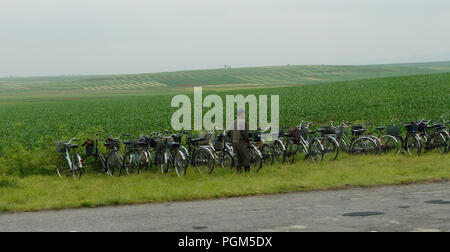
(54, 37)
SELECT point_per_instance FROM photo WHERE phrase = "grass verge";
(49, 192)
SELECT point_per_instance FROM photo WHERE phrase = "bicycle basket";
(327, 130)
(113, 143)
(176, 138)
(208, 137)
(89, 151)
(162, 143)
(257, 137)
(393, 130)
(340, 131)
(153, 143)
(411, 128)
(60, 146)
(218, 142)
(294, 132)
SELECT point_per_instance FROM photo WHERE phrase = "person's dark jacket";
(240, 134)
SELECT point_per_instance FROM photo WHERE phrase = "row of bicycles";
(167, 151)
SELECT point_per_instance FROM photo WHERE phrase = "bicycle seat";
(380, 128)
(174, 144)
(127, 142)
(195, 140)
(312, 132)
(287, 135)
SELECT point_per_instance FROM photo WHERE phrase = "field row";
(278, 75)
(127, 86)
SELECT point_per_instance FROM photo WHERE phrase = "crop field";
(375, 100)
(278, 75)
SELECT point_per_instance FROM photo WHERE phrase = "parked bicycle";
(298, 141)
(357, 143)
(135, 157)
(168, 154)
(69, 163)
(93, 150)
(114, 160)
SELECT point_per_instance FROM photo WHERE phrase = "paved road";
(392, 208)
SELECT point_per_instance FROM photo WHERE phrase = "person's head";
(241, 113)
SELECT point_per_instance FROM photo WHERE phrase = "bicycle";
(256, 159)
(445, 131)
(223, 151)
(68, 164)
(268, 157)
(114, 160)
(298, 142)
(168, 154)
(329, 142)
(358, 143)
(199, 154)
(135, 157)
(94, 151)
(389, 142)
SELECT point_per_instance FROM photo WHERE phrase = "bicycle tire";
(267, 154)
(412, 143)
(114, 164)
(62, 167)
(390, 145)
(364, 145)
(330, 148)
(256, 159)
(316, 150)
(179, 163)
(77, 166)
(204, 161)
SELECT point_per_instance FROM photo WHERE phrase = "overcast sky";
(55, 37)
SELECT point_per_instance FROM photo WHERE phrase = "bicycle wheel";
(204, 161)
(446, 134)
(145, 161)
(389, 145)
(256, 159)
(364, 145)
(130, 164)
(278, 149)
(77, 166)
(378, 143)
(100, 166)
(62, 167)
(179, 163)
(114, 164)
(437, 142)
(316, 150)
(267, 154)
(225, 159)
(289, 151)
(186, 155)
(164, 162)
(343, 145)
(413, 144)
(330, 148)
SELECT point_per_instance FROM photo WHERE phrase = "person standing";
(241, 141)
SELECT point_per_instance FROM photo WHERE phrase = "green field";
(37, 111)
(375, 100)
